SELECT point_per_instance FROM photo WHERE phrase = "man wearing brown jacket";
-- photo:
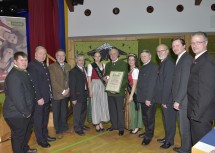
(59, 72)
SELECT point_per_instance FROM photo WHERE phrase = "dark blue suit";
(41, 79)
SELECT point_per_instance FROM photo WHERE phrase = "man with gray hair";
(163, 95)
(78, 94)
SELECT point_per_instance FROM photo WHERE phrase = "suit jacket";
(163, 87)
(19, 94)
(77, 82)
(59, 79)
(146, 82)
(180, 80)
(201, 89)
(41, 80)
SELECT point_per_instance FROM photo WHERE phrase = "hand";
(91, 94)
(74, 102)
(148, 103)
(106, 78)
(176, 105)
(40, 102)
(164, 105)
(130, 99)
(65, 92)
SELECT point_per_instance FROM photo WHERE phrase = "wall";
(134, 20)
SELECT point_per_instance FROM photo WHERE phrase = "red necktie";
(85, 78)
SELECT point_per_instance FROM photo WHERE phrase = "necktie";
(62, 66)
(85, 78)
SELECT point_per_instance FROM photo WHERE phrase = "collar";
(197, 56)
(147, 62)
(17, 68)
(115, 60)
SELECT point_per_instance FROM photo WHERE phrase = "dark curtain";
(43, 25)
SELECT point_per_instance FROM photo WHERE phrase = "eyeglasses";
(197, 43)
(161, 51)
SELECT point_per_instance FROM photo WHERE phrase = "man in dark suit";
(163, 95)
(201, 88)
(59, 73)
(78, 94)
(19, 104)
(179, 91)
(145, 91)
(41, 80)
(116, 100)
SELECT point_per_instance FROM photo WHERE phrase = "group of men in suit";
(186, 87)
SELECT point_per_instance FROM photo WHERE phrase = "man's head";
(199, 42)
(60, 56)
(162, 51)
(80, 60)
(40, 53)
(145, 56)
(114, 54)
(21, 60)
(178, 45)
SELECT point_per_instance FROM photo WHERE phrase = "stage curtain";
(43, 25)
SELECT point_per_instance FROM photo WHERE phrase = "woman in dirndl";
(133, 114)
(99, 100)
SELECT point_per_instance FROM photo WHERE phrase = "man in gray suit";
(163, 95)
(179, 91)
(201, 88)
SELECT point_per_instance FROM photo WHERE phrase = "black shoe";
(121, 133)
(166, 145)
(146, 141)
(49, 139)
(110, 129)
(86, 128)
(176, 149)
(142, 135)
(44, 144)
(102, 129)
(161, 140)
(32, 151)
(81, 133)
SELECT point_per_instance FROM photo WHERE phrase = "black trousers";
(116, 105)
(79, 113)
(21, 129)
(41, 118)
(169, 119)
(199, 130)
(148, 116)
(60, 115)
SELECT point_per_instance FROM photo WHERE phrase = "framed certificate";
(115, 81)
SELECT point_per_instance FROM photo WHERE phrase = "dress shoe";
(121, 133)
(166, 145)
(59, 136)
(44, 144)
(49, 139)
(146, 141)
(110, 129)
(135, 131)
(176, 149)
(81, 133)
(142, 135)
(161, 140)
(69, 131)
(32, 151)
(86, 128)
(102, 129)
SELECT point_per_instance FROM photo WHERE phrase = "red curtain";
(43, 25)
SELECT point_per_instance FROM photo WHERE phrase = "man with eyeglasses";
(163, 95)
(201, 88)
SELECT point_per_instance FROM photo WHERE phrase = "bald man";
(41, 80)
